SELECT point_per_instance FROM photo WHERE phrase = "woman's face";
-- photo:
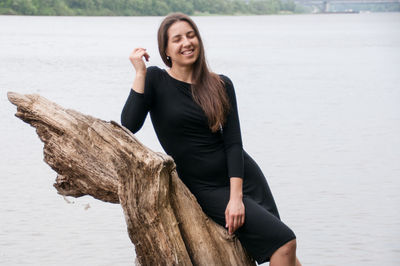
(183, 44)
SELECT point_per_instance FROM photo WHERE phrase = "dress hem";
(267, 257)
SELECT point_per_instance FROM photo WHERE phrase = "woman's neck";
(181, 73)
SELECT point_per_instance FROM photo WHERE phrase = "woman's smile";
(187, 52)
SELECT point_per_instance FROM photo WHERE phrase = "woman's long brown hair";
(207, 87)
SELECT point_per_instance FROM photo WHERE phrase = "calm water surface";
(319, 105)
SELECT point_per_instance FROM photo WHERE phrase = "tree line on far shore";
(145, 7)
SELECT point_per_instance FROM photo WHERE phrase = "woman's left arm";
(234, 213)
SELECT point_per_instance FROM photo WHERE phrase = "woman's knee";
(288, 249)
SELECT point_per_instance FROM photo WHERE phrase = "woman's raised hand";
(136, 58)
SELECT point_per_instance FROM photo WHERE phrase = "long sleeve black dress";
(205, 160)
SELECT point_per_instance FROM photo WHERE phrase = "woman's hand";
(136, 58)
(234, 214)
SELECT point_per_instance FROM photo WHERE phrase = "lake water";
(319, 105)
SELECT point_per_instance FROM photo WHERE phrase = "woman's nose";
(186, 41)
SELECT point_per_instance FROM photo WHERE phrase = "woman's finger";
(235, 223)
(226, 218)
(146, 56)
(138, 49)
(134, 51)
(141, 54)
(231, 221)
(240, 219)
(138, 53)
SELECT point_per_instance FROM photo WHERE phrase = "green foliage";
(186, 7)
(142, 7)
(24, 7)
(260, 7)
(288, 6)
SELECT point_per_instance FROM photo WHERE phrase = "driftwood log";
(104, 160)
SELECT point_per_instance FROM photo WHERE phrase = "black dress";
(205, 160)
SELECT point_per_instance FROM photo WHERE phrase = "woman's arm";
(235, 211)
(135, 109)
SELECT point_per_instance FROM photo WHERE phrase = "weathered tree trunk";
(105, 160)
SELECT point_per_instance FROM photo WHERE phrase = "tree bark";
(105, 160)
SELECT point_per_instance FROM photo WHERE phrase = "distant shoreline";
(145, 8)
(149, 8)
(192, 15)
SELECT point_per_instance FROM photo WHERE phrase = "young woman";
(195, 117)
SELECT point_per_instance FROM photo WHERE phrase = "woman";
(194, 114)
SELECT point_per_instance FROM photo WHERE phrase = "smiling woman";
(195, 116)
